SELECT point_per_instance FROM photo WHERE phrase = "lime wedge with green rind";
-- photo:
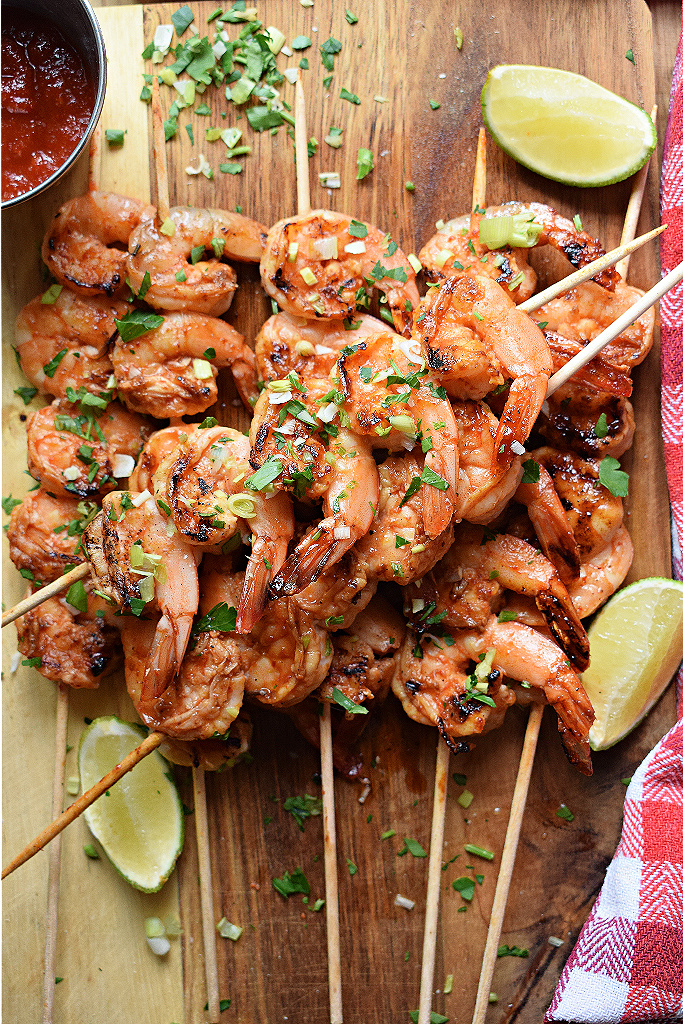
(636, 645)
(565, 126)
(139, 822)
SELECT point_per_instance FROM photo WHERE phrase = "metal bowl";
(77, 22)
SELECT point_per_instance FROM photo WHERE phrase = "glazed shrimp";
(397, 547)
(456, 249)
(516, 566)
(392, 400)
(157, 447)
(182, 278)
(583, 312)
(602, 572)
(442, 687)
(213, 755)
(591, 423)
(287, 654)
(203, 484)
(44, 534)
(136, 564)
(72, 647)
(550, 523)
(513, 345)
(77, 453)
(484, 485)
(66, 343)
(317, 265)
(310, 348)
(339, 594)
(204, 698)
(349, 504)
(171, 370)
(85, 245)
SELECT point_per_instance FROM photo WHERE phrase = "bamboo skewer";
(633, 209)
(303, 194)
(442, 751)
(198, 780)
(149, 744)
(53, 873)
(536, 714)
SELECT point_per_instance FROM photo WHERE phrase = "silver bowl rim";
(100, 90)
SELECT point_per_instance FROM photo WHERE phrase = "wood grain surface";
(277, 970)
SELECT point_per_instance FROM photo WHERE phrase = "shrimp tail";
(165, 656)
(319, 549)
(551, 525)
(254, 593)
(245, 377)
(524, 401)
(565, 625)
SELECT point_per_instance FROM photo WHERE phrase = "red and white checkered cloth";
(628, 962)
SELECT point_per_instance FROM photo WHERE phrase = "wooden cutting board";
(277, 970)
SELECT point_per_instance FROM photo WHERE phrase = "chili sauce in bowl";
(50, 100)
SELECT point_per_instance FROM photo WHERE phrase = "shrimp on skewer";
(201, 484)
(157, 447)
(85, 245)
(591, 423)
(73, 451)
(456, 249)
(183, 276)
(447, 685)
(172, 369)
(139, 567)
(317, 265)
(74, 646)
(473, 312)
(550, 523)
(44, 534)
(66, 344)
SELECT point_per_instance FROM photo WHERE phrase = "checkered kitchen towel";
(628, 962)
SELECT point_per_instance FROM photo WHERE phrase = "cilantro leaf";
(612, 477)
(222, 617)
(532, 472)
(136, 323)
(288, 885)
(302, 807)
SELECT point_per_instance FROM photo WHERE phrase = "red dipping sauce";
(47, 101)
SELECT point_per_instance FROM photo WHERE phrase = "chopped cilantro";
(346, 702)
(612, 477)
(350, 96)
(532, 472)
(136, 323)
(601, 426)
(512, 951)
(564, 812)
(222, 617)
(288, 885)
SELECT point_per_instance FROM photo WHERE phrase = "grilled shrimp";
(310, 348)
(602, 572)
(590, 423)
(287, 654)
(206, 695)
(397, 546)
(157, 447)
(472, 575)
(202, 484)
(44, 534)
(85, 245)
(171, 370)
(456, 249)
(459, 315)
(443, 686)
(485, 486)
(550, 523)
(182, 278)
(318, 265)
(72, 647)
(137, 565)
(65, 344)
(583, 312)
(213, 755)
(77, 453)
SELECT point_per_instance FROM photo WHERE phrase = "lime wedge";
(139, 822)
(636, 646)
(564, 126)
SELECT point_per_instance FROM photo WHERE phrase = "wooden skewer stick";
(442, 751)
(56, 587)
(507, 862)
(533, 728)
(198, 779)
(633, 209)
(303, 193)
(206, 893)
(611, 332)
(590, 270)
(78, 806)
(55, 855)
